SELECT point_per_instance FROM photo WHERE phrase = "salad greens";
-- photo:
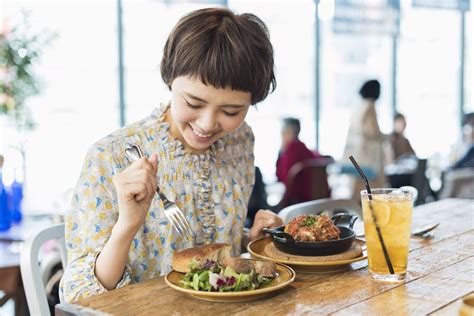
(214, 277)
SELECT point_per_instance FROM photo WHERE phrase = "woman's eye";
(192, 105)
(230, 114)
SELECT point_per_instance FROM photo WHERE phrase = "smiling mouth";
(201, 135)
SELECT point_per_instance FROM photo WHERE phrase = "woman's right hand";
(136, 187)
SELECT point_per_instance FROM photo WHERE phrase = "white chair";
(458, 183)
(31, 271)
(319, 206)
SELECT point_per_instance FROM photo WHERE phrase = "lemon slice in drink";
(382, 212)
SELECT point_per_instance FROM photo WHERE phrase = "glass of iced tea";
(467, 307)
(391, 210)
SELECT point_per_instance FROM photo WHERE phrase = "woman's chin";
(198, 146)
(198, 143)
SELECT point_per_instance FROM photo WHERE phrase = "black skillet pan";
(285, 242)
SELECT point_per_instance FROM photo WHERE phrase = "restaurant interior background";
(415, 51)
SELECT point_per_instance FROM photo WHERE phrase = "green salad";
(213, 277)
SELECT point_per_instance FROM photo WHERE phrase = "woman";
(199, 152)
(365, 141)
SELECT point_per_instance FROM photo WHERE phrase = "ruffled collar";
(174, 144)
(205, 205)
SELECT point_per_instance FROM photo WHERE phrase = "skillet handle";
(274, 233)
(344, 220)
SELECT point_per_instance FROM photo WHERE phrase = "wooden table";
(441, 272)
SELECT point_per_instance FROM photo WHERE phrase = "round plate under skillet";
(264, 248)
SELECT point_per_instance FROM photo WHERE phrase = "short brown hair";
(222, 49)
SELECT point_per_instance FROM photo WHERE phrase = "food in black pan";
(312, 228)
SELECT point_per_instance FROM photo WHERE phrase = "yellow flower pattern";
(225, 173)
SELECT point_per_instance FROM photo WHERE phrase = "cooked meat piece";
(201, 254)
(312, 228)
(240, 265)
(265, 268)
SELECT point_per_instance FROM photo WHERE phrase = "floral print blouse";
(212, 190)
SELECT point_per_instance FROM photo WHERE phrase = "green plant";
(20, 50)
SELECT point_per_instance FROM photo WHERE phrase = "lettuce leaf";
(224, 280)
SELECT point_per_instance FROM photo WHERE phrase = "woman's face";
(200, 114)
(399, 125)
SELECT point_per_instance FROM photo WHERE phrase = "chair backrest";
(318, 206)
(30, 267)
(312, 173)
(458, 183)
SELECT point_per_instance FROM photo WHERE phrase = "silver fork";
(171, 210)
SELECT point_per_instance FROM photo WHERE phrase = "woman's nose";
(207, 123)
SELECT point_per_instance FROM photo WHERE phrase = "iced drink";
(392, 210)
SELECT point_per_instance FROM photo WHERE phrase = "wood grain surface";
(440, 273)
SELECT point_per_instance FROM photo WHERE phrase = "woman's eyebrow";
(234, 106)
(195, 97)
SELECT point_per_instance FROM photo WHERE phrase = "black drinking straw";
(377, 228)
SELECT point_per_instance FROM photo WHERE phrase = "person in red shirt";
(293, 151)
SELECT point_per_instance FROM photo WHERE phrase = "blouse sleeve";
(88, 227)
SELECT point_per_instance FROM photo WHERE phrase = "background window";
(428, 78)
(79, 102)
(291, 25)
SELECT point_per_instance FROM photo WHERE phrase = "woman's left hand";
(263, 219)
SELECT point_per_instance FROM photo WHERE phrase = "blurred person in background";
(258, 198)
(292, 151)
(458, 180)
(366, 142)
(401, 146)
(402, 172)
(466, 156)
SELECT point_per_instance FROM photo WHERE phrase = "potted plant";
(20, 51)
